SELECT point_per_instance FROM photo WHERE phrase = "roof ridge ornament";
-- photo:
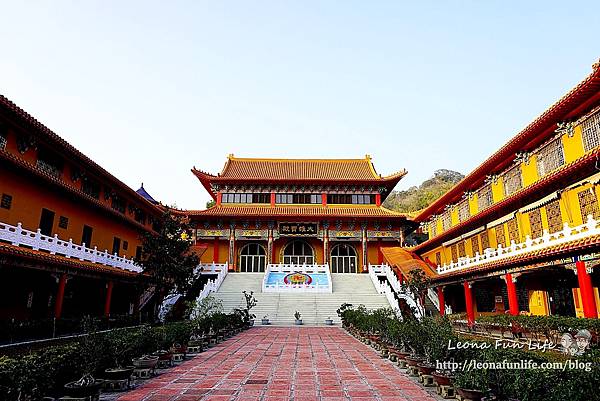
(523, 157)
(567, 127)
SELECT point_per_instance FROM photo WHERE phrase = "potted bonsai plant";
(329, 321)
(250, 303)
(87, 385)
(120, 345)
(472, 385)
(265, 320)
(298, 317)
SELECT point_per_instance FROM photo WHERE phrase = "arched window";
(343, 259)
(298, 253)
(252, 258)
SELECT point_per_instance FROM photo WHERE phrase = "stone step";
(356, 289)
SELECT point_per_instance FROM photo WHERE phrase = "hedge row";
(429, 338)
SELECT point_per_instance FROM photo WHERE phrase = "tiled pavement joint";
(284, 364)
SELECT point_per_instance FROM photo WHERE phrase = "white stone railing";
(19, 236)
(210, 286)
(568, 234)
(210, 268)
(392, 286)
(214, 284)
(292, 268)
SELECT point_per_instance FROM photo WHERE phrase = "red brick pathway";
(281, 364)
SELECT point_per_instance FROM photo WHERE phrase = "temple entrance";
(343, 259)
(298, 253)
(253, 258)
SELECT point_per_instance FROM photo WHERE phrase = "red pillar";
(587, 291)
(379, 254)
(442, 301)
(469, 303)
(378, 199)
(219, 194)
(60, 295)
(324, 199)
(109, 288)
(216, 250)
(272, 198)
(513, 302)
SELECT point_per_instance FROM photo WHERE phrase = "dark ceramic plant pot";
(329, 322)
(473, 395)
(163, 355)
(265, 322)
(123, 373)
(442, 379)
(145, 362)
(90, 390)
(298, 322)
(413, 360)
(426, 368)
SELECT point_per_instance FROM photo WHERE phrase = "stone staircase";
(356, 289)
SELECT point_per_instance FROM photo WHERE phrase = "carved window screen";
(555, 222)
(550, 157)
(590, 132)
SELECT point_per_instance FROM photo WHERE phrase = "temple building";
(520, 234)
(298, 211)
(69, 230)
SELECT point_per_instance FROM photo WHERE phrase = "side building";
(521, 233)
(69, 230)
(298, 211)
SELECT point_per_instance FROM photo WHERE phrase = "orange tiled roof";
(529, 258)
(577, 101)
(237, 210)
(46, 257)
(573, 171)
(405, 261)
(301, 169)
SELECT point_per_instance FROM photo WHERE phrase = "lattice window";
(588, 204)
(513, 180)
(438, 258)
(484, 197)
(591, 132)
(475, 244)
(463, 210)
(446, 220)
(6, 201)
(555, 222)
(535, 223)
(2, 142)
(500, 238)
(485, 240)
(461, 249)
(550, 157)
(454, 253)
(432, 228)
(513, 230)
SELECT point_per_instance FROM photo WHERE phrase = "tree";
(418, 284)
(167, 257)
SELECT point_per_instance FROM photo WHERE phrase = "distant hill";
(417, 198)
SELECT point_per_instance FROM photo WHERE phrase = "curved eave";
(8, 157)
(570, 106)
(205, 179)
(23, 117)
(572, 172)
(292, 211)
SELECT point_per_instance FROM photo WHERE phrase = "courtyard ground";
(281, 364)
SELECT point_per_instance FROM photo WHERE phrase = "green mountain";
(417, 198)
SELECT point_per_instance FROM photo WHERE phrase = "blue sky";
(149, 90)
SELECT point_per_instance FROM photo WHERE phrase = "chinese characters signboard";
(298, 229)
